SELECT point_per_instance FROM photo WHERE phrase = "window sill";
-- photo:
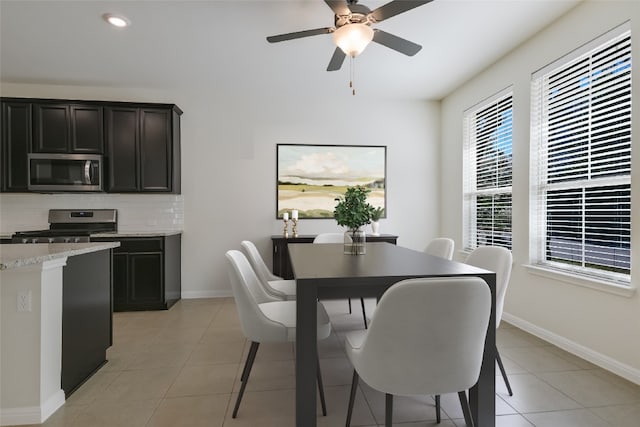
(586, 282)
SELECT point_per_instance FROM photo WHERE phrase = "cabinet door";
(16, 140)
(52, 128)
(155, 150)
(145, 284)
(87, 134)
(122, 149)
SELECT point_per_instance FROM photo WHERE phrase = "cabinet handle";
(87, 172)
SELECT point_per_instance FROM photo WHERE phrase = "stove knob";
(25, 240)
(66, 240)
(76, 240)
(50, 239)
(34, 240)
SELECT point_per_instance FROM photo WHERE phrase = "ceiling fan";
(352, 30)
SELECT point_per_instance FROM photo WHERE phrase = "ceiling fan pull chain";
(351, 77)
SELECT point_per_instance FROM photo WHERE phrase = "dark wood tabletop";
(324, 271)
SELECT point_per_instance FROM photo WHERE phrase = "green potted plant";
(375, 217)
(353, 211)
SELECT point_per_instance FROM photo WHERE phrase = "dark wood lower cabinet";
(281, 262)
(146, 272)
(86, 317)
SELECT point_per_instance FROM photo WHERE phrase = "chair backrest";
(427, 336)
(257, 262)
(498, 260)
(441, 247)
(248, 293)
(330, 238)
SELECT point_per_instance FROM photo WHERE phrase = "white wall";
(600, 326)
(229, 167)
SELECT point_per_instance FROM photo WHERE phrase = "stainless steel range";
(71, 226)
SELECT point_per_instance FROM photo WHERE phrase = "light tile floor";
(181, 367)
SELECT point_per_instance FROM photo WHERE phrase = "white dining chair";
(340, 238)
(264, 318)
(499, 260)
(441, 247)
(427, 338)
(275, 285)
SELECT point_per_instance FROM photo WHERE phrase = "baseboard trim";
(605, 362)
(32, 414)
(206, 294)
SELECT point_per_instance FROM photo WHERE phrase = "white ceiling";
(220, 45)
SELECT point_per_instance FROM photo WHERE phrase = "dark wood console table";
(280, 252)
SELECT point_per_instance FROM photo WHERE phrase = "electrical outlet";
(24, 301)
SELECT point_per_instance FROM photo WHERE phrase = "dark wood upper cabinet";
(68, 128)
(155, 150)
(143, 149)
(140, 141)
(87, 129)
(122, 149)
(16, 140)
(51, 126)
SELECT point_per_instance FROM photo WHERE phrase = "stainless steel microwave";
(65, 172)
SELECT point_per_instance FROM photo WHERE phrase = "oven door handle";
(87, 172)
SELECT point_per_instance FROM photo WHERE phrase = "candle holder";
(285, 231)
(295, 227)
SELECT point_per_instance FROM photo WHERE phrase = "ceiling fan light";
(353, 38)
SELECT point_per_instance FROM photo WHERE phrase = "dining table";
(324, 271)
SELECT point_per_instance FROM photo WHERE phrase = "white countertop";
(138, 234)
(164, 233)
(20, 255)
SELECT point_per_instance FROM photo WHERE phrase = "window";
(581, 154)
(487, 169)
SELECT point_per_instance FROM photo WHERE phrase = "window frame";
(598, 278)
(470, 170)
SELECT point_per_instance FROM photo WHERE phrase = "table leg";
(482, 396)
(306, 353)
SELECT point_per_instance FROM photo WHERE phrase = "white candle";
(285, 216)
(294, 214)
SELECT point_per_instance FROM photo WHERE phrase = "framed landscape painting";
(312, 177)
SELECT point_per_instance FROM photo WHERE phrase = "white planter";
(375, 228)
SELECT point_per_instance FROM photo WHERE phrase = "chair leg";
(364, 313)
(438, 408)
(349, 305)
(504, 373)
(244, 378)
(252, 350)
(321, 391)
(462, 395)
(352, 397)
(388, 410)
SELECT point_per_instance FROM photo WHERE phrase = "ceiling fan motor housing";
(359, 15)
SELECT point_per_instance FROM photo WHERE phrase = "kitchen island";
(55, 309)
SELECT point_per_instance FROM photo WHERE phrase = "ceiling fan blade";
(299, 34)
(339, 7)
(394, 8)
(336, 60)
(396, 43)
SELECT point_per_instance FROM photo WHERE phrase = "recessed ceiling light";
(116, 20)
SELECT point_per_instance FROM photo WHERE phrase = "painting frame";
(309, 177)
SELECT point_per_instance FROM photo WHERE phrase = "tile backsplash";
(136, 212)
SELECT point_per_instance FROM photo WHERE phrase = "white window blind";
(488, 171)
(581, 153)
